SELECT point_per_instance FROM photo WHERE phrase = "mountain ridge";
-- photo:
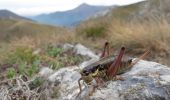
(6, 14)
(70, 17)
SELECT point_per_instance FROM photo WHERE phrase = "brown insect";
(108, 67)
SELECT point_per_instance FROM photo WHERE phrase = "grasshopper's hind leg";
(106, 50)
(115, 66)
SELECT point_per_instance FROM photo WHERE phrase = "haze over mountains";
(65, 18)
(71, 17)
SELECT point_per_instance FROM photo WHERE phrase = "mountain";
(6, 14)
(70, 17)
(10, 28)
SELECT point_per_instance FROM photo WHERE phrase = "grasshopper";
(108, 67)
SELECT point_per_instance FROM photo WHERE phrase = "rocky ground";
(145, 81)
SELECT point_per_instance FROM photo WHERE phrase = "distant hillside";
(153, 10)
(71, 17)
(17, 28)
(149, 10)
(6, 14)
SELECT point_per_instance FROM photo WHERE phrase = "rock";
(45, 72)
(145, 81)
(36, 52)
(67, 46)
(82, 50)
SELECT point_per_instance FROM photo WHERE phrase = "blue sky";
(35, 7)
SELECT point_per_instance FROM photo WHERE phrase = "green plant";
(34, 68)
(54, 52)
(36, 83)
(22, 68)
(25, 59)
(11, 73)
(29, 70)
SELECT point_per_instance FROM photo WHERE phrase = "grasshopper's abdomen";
(125, 65)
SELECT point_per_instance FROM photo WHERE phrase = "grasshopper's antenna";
(141, 57)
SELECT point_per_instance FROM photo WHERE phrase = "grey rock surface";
(82, 50)
(145, 81)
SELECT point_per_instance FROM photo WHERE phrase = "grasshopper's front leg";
(92, 84)
(79, 86)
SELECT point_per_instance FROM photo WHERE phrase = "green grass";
(22, 55)
(11, 73)
(94, 32)
(124, 12)
(54, 51)
(26, 62)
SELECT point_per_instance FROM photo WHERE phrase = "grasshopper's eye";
(85, 73)
(130, 61)
(101, 68)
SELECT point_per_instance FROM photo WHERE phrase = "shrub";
(96, 31)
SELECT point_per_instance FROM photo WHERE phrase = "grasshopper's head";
(129, 61)
(84, 73)
(92, 71)
(87, 74)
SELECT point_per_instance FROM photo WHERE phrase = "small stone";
(45, 72)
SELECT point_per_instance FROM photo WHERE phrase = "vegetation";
(24, 60)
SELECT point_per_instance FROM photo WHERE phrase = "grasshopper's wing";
(111, 72)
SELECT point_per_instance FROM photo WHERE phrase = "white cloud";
(34, 7)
